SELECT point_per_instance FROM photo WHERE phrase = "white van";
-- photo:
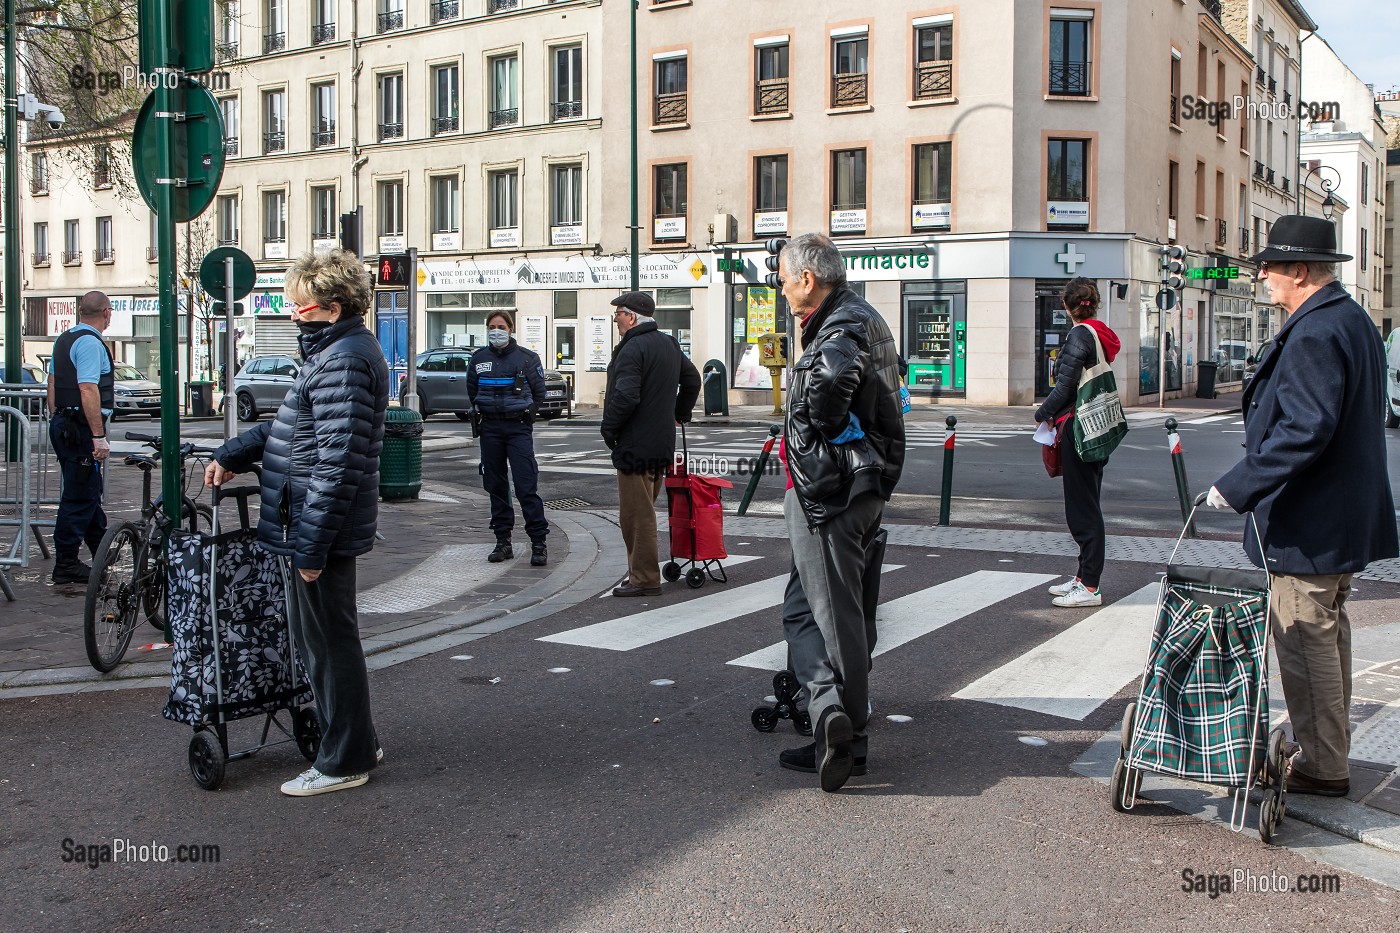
(1392, 380)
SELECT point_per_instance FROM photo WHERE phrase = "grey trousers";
(1312, 638)
(326, 628)
(830, 642)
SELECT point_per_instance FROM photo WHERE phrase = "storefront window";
(458, 319)
(935, 337)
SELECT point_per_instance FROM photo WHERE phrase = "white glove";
(1215, 500)
(100, 448)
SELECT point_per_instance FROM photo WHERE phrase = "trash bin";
(716, 383)
(401, 459)
(1205, 379)
(202, 399)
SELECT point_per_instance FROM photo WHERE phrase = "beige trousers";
(636, 514)
(1312, 638)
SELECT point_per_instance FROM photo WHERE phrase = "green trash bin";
(401, 460)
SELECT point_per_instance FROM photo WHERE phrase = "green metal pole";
(635, 230)
(945, 501)
(170, 103)
(13, 351)
(773, 431)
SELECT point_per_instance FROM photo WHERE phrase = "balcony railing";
(770, 95)
(323, 137)
(565, 110)
(671, 108)
(102, 255)
(223, 241)
(274, 42)
(322, 32)
(274, 142)
(499, 118)
(153, 253)
(1258, 169)
(226, 51)
(39, 185)
(1259, 78)
(496, 6)
(445, 125)
(230, 145)
(1269, 175)
(388, 22)
(443, 10)
(1244, 241)
(390, 131)
(101, 177)
(933, 80)
(1176, 111)
(1213, 8)
(1069, 79)
(72, 257)
(1285, 184)
(39, 259)
(1222, 232)
(850, 90)
(1287, 98)
(1273, 85)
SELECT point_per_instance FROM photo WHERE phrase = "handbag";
(1050, 453)
(1099, 422)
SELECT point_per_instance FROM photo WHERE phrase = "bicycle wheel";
(113, 597)
(152, 585)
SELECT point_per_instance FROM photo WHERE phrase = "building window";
(446, 219)
(72, 245)
(103, 253)
(1365, 252)
(41, 245)
(324, 219)
(848, 212)
(323, 115)
(672, 90)
(440, 11)
(228, 109)
(566, 198)
(1173, 197)
(275, 27)
(770, 93)
(567, 84)
(770, 195)
(1069, 52)
(933, 61)
(850, 70)
(102, 166)
(227, 214)
(505, 91)
(274, 121)
(226, 46)
(274, 224)
(391, 222)
(1244, 124)
(445, 99)
(391, 106)
(933, 185)
(670, 202)
(504, 203)
(1176, 87)
(1067, 184)
(322, 21)
(1365, 182)
(39, 175)
(1222, 226)
(390, 15)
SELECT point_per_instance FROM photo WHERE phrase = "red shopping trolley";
(696, 519)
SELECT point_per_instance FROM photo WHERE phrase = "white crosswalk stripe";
(1080, 669)
(733, 560)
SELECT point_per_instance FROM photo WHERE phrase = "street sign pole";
(410, 384)
(230, 353)
(169, 102)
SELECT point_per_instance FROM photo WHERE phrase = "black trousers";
(511, 444)
(327, 632)
(1083, 511)
(80, 518)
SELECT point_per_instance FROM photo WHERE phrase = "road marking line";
(902, 620)
(1210, 420)
(1080, 669)
(733, 560)
(654, 625)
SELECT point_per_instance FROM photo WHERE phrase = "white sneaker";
(1078, 595)
(379, 756)
(1062, 589)
(313, 782)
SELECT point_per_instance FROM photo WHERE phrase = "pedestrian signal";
(391, 271)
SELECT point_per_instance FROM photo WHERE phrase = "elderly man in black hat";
(652, 387)
(1314, 475)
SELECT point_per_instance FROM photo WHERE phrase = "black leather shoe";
(74, 571)
(1300, 783)
(502, 552)
(539, 555)
(835, 763)
(627, 589)
(804, 759)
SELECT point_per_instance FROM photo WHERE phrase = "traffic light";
(220, 309)
(352, 227)
(1173, 267)
(773, 248)
(391, 271)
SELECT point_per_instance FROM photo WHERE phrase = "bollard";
(946, 499)
(1183, 493)
(773, 431)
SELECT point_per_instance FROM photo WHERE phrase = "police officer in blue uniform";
(506, 384)
(81, 399)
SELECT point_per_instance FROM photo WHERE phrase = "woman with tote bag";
(1087, 415)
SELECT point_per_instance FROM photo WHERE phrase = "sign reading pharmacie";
(660, 270)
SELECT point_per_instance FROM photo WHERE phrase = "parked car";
(134, 394)
(31, 376)
(262, 384)
(442, 382)
(558, 396)
(1392, 380)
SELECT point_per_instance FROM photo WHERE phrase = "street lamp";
(1328, 185)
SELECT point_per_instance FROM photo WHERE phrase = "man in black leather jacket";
(844, 451)
(320, 502)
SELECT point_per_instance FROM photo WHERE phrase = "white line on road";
(1080, 669)
(1211, 420)
(902, 620)
(733, 560)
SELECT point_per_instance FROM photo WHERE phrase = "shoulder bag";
(1099, 423)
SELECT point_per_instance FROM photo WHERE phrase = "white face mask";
(498, 336)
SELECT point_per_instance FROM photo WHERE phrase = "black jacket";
(1077, 353)
(320, 455)
(848, 366)
(651, 386)
(507, 382)
(1314, 472)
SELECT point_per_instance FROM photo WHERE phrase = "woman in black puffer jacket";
(1083, 481)
(320, 501)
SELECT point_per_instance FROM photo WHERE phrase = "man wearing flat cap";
(1314, 476)
(652, 387)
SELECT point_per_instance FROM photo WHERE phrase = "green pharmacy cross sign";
(1214, 272)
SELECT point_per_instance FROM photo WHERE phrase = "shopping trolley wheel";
(695, 578)
(802, 722)
(671, 571)
(785, 686)
(1273, 759)
(764, 720)
(207, 760)
(1269, 818)
(1123, 788)
(306, 729)
(1125, 736)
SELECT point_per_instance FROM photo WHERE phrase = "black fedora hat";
(1295, 238)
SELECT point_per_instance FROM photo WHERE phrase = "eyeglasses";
(302, 309)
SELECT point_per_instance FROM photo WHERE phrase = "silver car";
(134, 393)
(262, 384)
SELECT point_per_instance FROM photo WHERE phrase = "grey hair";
(331, 275)
(641, 318)
(812, 252)
(1320, 273)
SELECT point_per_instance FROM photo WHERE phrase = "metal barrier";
(26, 468)
(15, 512)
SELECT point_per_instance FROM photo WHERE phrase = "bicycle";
(128, 568)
